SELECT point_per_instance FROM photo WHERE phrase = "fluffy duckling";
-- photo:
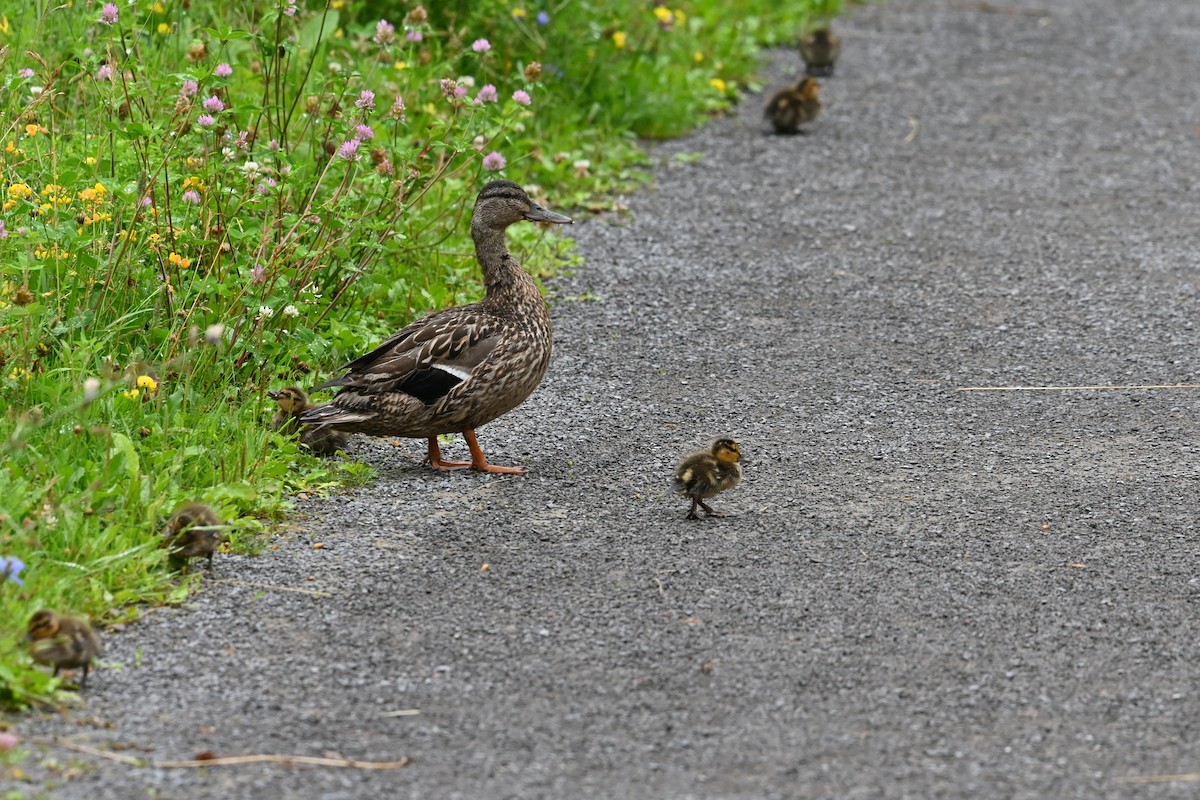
(292, 403)
(790, 108)
(193, 530)
(65, 642)
(707, 472)
(820, 49)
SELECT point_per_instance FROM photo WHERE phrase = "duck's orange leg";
(479, 460)
(434, 459)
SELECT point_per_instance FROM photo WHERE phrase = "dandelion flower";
(223, 71)
(147, 383)
(619, 39)
(487, 94)
(481, 45)
(366, 100)
(213, 104)
(109, 14)
(664, 15)
(494, 161)
(717, 84)
(521, 96)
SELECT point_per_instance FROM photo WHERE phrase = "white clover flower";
(291, 311)
(266, 312)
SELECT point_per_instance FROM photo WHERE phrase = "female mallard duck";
(820, 49)
(707, 472)
(193, 530)
(790, 108)
(460, 367)
(292, 403)
(65, 642)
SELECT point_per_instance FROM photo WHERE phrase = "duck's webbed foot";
(479, 460)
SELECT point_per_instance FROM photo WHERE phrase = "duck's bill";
(274, 395)
(539, 214)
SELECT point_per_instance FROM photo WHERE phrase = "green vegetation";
(195, 208)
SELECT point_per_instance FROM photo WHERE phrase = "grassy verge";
(196, 207)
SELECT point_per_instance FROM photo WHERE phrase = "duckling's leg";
(692, 511)
(479, 460)
(83, 680)
(708, 510)
(434, 459)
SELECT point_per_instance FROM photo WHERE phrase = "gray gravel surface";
(918, 592)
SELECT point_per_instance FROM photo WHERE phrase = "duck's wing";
(427, 358)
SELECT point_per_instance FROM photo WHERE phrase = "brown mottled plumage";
(460, 367)
(790, 108)
(193, 530)
(707, 472)
(820, 49)
(292, 403)
(65, 642)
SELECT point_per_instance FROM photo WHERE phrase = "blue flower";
(10, 567)
(542, 18)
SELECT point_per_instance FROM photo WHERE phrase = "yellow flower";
(10, 147)
(4, 26)
(338, 5)
(717, 84)
(619, 39)
(664, 15)
(19, 191)
(18, 373)
(33, 129)
(179, 261)
(131, 394)
(164, 28)
(519, 13)
(680, 17)
(90, 161)
(158, 8)
(339, 33)
(147, 383)
(399, 65)
(698, 57)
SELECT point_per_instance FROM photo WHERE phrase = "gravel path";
(918, 592)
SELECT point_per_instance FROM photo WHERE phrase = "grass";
(196, 207)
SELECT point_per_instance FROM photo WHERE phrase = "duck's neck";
(499, 271)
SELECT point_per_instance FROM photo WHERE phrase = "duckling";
(790, 108)
(707, 472)
(193, 530)
(62, 641)
(292, 403)
(461, 367)
(820, 49)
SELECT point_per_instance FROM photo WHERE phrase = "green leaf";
(124, 445)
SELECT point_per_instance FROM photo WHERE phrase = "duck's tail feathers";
(340, 380)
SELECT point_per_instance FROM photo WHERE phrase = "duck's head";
(291, 399)
(821, 36)
(501, 203)
(808, 89)
(727, 450)
(42, 625)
